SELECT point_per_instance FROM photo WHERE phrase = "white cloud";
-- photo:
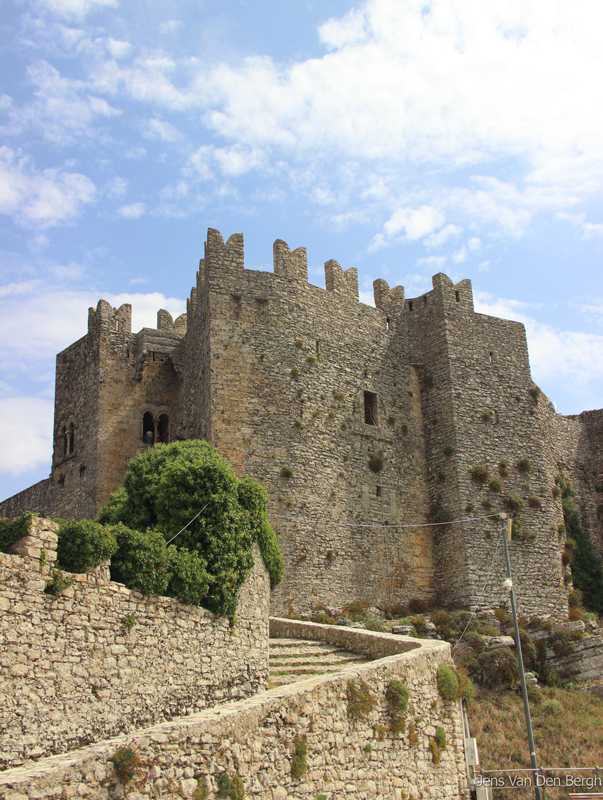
(589, 230)
(119, 49)
(76, 9)
(474, 245)
(44, 320)
(413, 222)
(170, 26)
(441, 237)
(116, 187)
(460, 255)
(63, 108)
(158, 129)
(132, 211)
(26, 433)
(43, 199)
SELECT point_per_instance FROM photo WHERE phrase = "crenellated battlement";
(346, 412)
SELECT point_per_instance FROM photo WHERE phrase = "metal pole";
(522, 677)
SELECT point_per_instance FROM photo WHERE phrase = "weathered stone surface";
(254, 738)
(279, 374)
(73, 673)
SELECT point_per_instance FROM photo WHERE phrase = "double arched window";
(155, 430)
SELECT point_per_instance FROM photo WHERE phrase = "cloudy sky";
(401, 137)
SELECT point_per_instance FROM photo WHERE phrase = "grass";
(573, 738)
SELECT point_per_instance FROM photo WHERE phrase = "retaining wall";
(255, 738)
(73, 672)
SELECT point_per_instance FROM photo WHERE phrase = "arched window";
(148, 428)
(163, 429)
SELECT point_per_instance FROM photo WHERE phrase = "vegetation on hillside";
(587, 573)
(568, 732)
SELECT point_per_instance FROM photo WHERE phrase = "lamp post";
(508, 585)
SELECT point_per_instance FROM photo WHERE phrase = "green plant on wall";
(524, 465)
(586, 569)
(376, 462)
(187, 492)
(126, 764)
(232, 788)
(397, 701)
(299, 764)
(479, 473)
(58, 583)
(360, 700)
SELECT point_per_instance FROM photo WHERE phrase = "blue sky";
(400, 137)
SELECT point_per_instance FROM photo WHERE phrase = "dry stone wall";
(101, 659)
(256, 739)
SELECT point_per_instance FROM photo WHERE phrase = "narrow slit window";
(71, 439)
(491, 359)
(378, 491)
(410, 305)
(64, 440)
(424, 299)
(370, 408)
(318, 345)
(387, 323)
(458, 297)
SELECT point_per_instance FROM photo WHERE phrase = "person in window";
(148, 437)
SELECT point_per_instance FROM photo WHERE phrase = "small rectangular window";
(378, 491)
(410, 305)
(458, 297)
(370, 408)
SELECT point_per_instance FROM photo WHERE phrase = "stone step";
(298, 659)
(331, 660)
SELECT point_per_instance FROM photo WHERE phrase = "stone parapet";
(101, 659)
(348, 755)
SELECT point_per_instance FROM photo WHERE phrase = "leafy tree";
(188, 491)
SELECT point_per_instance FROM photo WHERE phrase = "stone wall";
(305, 389)
(255, 738)
(73, 672)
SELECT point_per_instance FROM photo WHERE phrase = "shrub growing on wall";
(587, 573)
(208, 562)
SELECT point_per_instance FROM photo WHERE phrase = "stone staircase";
(297, 659)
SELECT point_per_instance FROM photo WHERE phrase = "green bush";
(503, 468)
(11, 532)
(524, 465)
(163, 491)
(498, 667)
(496, 486)
(141, 561)
(514, 503)
(440, 738)
(479, 473)
(230, 787)
(84, 543)
(360, 700)
(397, 696)
(375, 625)
(58, 583)
(587, 572)
(299, 764)
(189, 581)
(448, 685)
(126, 764)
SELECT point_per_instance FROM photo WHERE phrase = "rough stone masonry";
(353, 417)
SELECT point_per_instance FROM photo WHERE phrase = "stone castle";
(358, 420)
